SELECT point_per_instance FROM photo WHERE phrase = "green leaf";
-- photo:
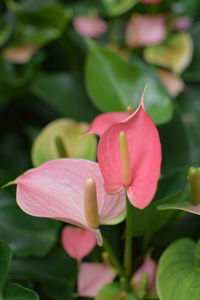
(175, 144)
(122, 83)
(17, 292)
(56, 272)
(26, 235)
(192, 73)
(5, 259)
(41, 23)
(118, 7)
(63, 138)
(112, 291)
(66, 93)
(178, 275)
(190, 114)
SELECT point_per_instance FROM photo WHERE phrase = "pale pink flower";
(144, 30)
(148, 267)
(77, 242)
(19, 55)
(92, 277)
(89, 26)
(56, 190)
(172, 82)
(129, 155)
(182, 23)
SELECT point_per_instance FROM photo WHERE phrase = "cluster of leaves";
(76, 78)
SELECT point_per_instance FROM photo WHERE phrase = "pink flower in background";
(92, 277)
(19, 55)
(172, 82)
(77, 242)
(104, 121)
(148, 267)
(129, 155)
(143, 30)
(70, 190)
(182, 23)
(89, 26)
(150, 1)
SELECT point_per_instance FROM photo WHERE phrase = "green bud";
(194, 181)
(63, 138)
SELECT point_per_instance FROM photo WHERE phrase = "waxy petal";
(56, 190)
(92, 277)
(143, 30)
(77, 242)
(145, 156)
(149, 267)
(105, 121)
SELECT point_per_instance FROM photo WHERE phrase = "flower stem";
(128, 241)
(114, 258)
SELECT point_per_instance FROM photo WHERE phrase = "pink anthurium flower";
(129, 155)
(144, 30)
(89, 26)
(19, 55)
(70, 190)
(77, 242)
(104, 121)
(92, 277)
(148, 267)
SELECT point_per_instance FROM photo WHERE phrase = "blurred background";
(75, 60)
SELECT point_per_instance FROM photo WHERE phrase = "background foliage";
(74, 77)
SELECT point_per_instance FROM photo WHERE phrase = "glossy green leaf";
(112, 291)
(122, 83)
(5, 259)
(118, 7)
(178, 275)
(63, 138)
(56, 273)
(26, 235)
(66, 93)
(17, 292)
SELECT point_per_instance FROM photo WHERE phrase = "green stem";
(114, 258)
(128, 241)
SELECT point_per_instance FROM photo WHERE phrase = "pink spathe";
(182, 23)
(144, 150)
(89, 26)
(105, 121)
(77, 242)
(92, 277)
(19, 55)
(148, 267)
(56, 190)
(144, 30)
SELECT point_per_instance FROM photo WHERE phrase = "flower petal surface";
(56, 190)
(77, 242)
(105, 121)
(93, 276)
(145, 157)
